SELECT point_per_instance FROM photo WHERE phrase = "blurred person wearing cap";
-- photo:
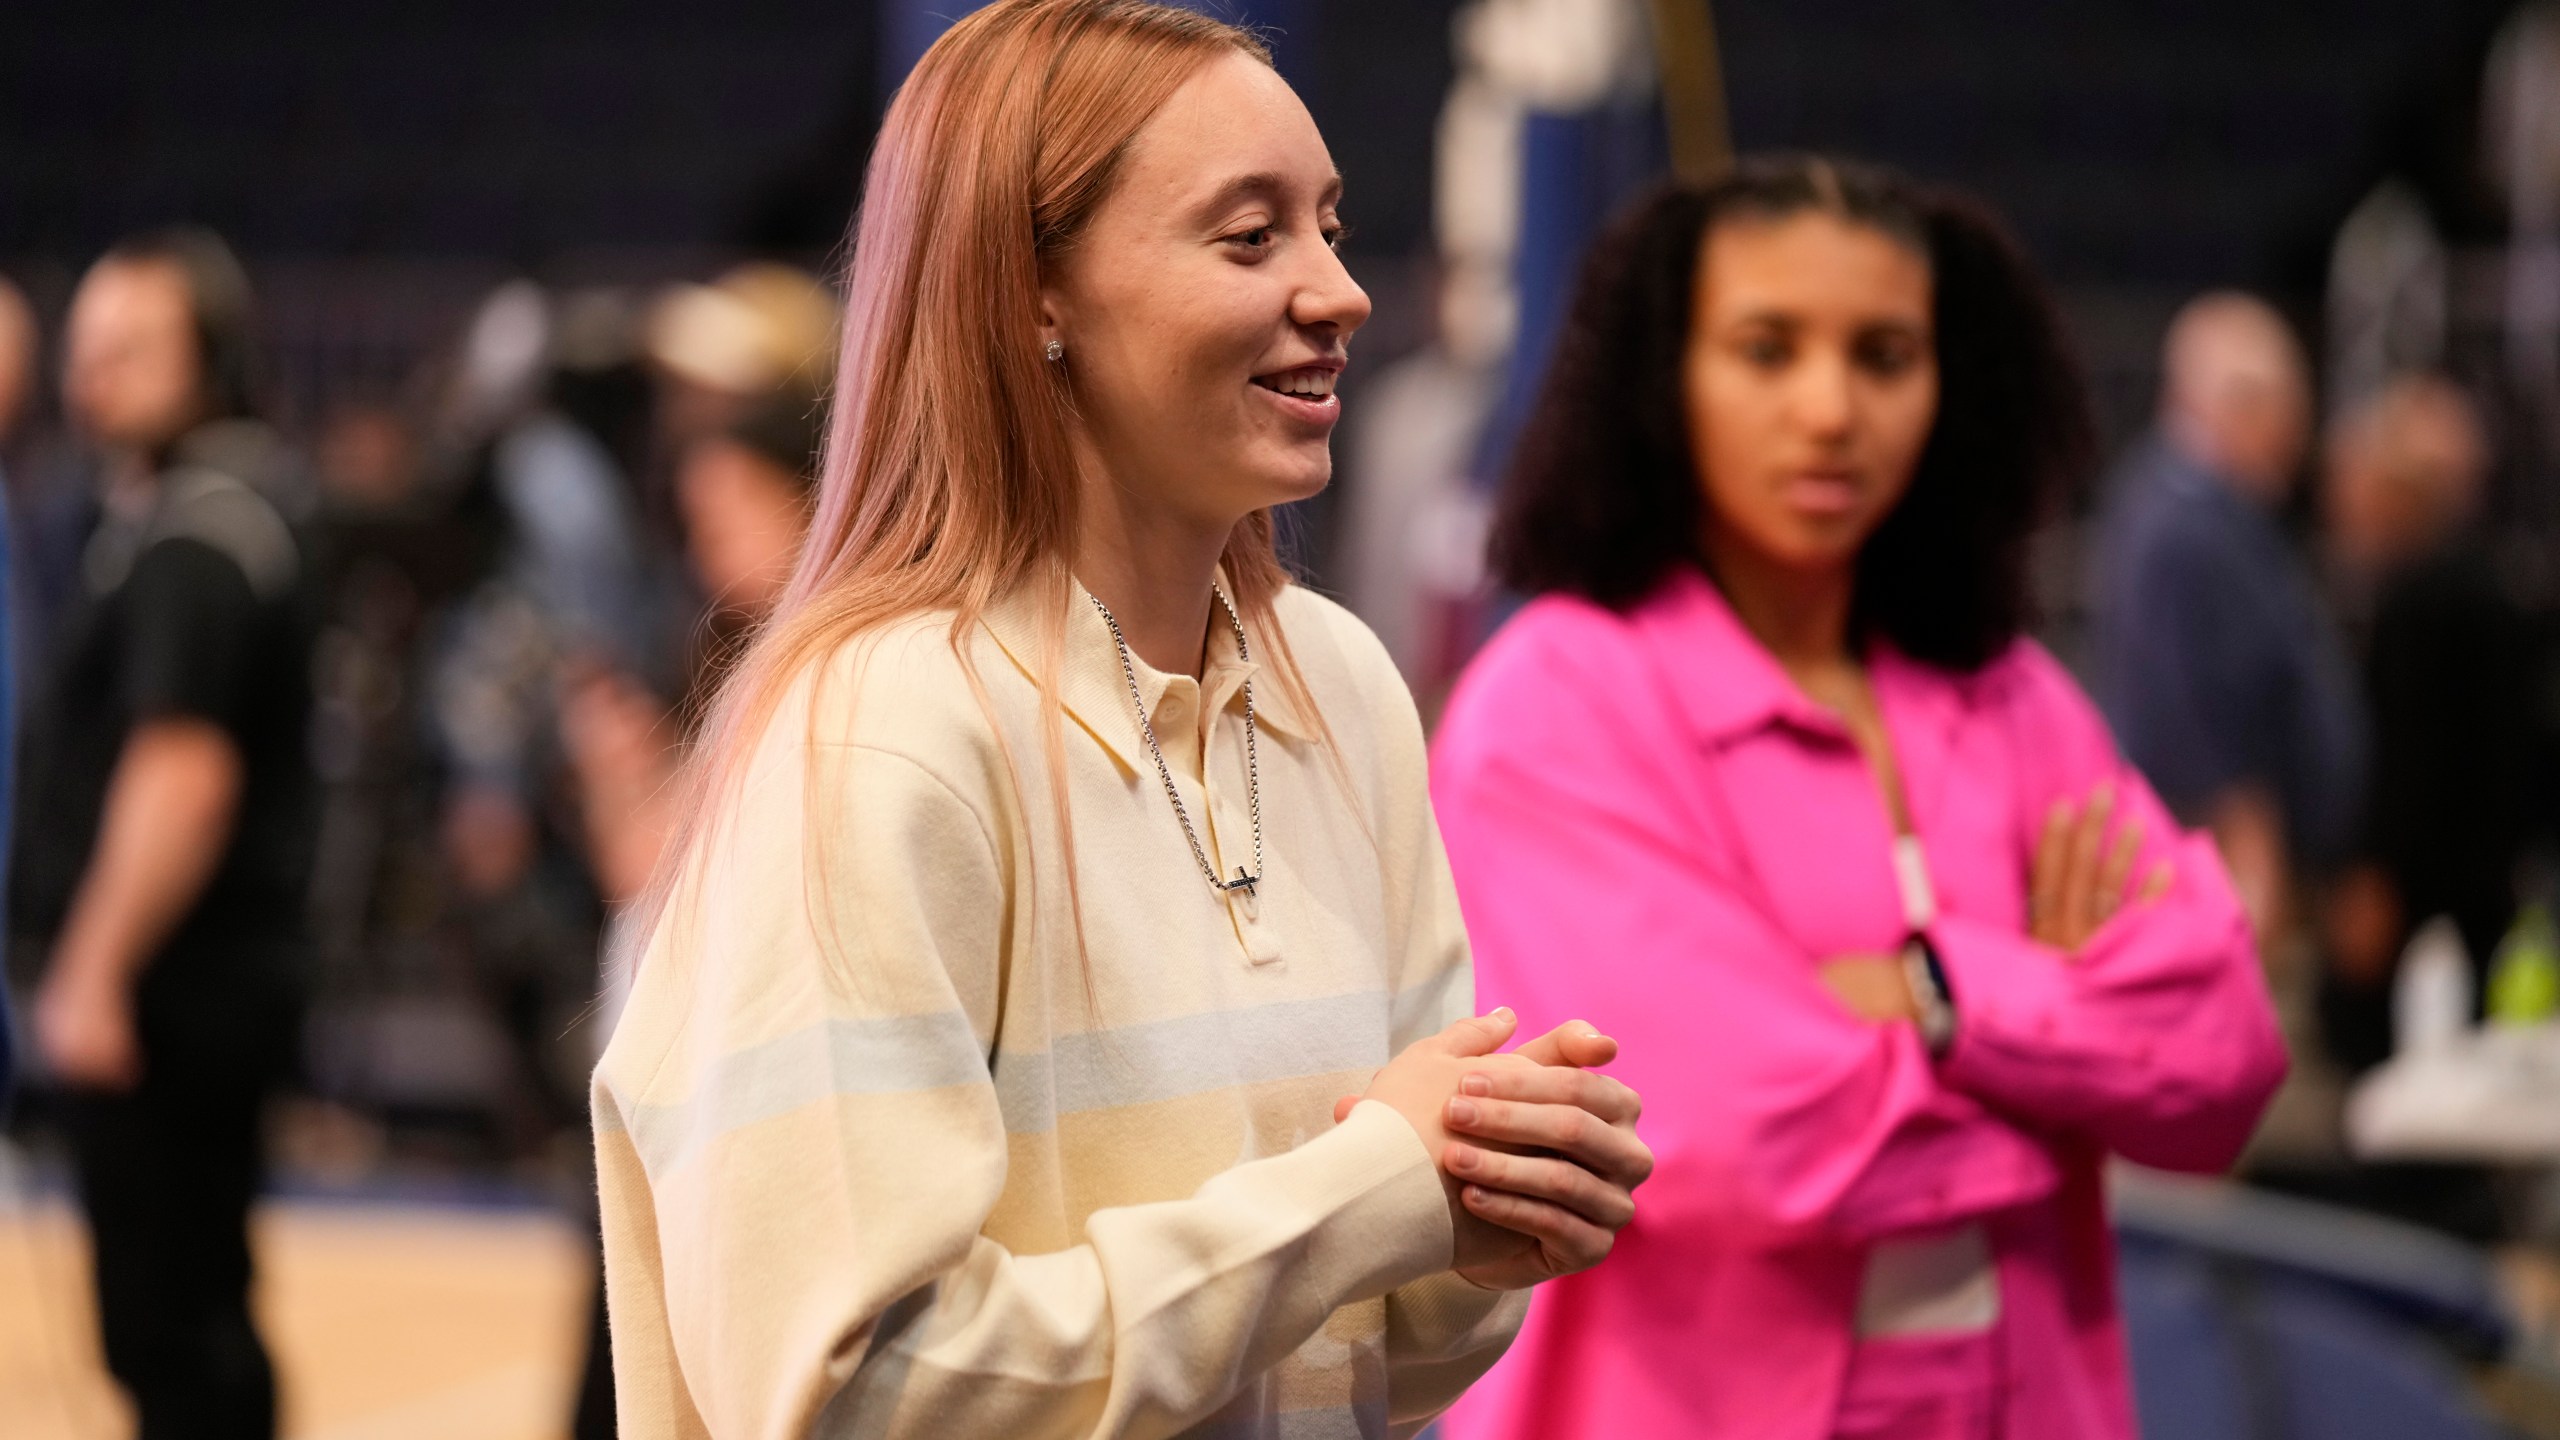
(744, 494)
(169, 814)
(2461, 758)
(721, 349)
(2218, 666)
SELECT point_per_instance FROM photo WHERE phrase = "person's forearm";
(168, 818)
(626, 833)
(2248, 828)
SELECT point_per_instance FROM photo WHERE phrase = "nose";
(1328, 299)
(1824, 398)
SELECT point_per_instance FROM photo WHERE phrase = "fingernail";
(1476, 1085)
(1461, 1113)
(1503, 1014)
(1462, 1157)
(1593, 1035)
(1478, 1195)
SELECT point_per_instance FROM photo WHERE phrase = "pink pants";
(1922, 1388)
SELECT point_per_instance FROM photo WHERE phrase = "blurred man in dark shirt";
(2453, 674)
(167, 819)
(2223, 676)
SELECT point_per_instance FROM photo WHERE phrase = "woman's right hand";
(2080, 878)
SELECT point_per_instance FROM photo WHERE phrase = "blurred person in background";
(18, 363)
(1412, 539)
(2218, 664)
(169, 825)
(2461, 766)
(565, 575)
(741, 366)
(48, 481)
(19, 359)
(745, 495)
(1769, 772)
(721, 349)
(1051, 1134)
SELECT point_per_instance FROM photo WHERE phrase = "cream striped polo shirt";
(884, 1152)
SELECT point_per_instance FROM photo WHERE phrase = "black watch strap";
(1936, 1003)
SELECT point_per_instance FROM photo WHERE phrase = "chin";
(1812, 550)
(1286, 484)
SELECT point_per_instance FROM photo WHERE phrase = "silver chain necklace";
(1252, 768)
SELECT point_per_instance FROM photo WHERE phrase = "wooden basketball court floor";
(387, 1321)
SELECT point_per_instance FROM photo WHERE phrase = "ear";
(1053, 320)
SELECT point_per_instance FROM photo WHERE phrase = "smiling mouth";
(1311, 383)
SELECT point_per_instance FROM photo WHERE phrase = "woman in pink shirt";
(1767, 780)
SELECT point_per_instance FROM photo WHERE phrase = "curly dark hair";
(1602, 501)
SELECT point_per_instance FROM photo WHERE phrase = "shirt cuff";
(2010, 996)
(1380, 1216)
(1448, 1314)
(1443, 1333)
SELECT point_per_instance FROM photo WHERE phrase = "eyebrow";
(1771, 315)
(1261, 184)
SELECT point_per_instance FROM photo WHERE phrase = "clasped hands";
(1539, 1156)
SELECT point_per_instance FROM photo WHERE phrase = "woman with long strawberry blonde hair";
(1054, 1018)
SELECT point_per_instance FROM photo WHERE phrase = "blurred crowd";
(524, 567)
(340, 748)
(2307, 637)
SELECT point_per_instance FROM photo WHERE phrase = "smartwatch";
(1935, 1003)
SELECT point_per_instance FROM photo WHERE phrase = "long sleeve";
(801, 1141)
(1443, 1334)
(1774, 1114)
(2157, 1039)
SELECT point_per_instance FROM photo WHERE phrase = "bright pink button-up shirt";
(1653, 828)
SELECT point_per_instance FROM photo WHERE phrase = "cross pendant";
(1242, 882)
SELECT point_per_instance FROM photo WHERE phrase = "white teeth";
(1308, 384)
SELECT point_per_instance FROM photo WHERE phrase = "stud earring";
(1057, 351)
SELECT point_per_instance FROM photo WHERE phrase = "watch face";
(1937, 1017)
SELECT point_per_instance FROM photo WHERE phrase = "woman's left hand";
(2081, 877)
(1555, 1159)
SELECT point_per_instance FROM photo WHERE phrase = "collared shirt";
(2215, 659)
(1654, 827)
(907, 1132)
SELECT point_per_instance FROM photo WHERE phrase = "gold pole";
(1693, 99)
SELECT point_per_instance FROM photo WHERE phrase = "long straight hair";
(949, 480)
